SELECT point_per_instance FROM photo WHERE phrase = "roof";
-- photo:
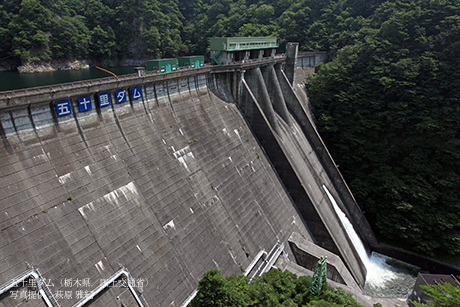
(242, 43)
(433, 279)
(190, 56)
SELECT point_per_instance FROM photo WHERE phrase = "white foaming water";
(382, 279)
(389, 277)
(358, 244)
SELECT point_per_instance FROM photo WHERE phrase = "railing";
(273, 255)
(246, 46)
(32, 272)
(105, 284)
(24, 97)
(50, 300)
(265, 266)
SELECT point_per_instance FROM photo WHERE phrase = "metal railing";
(41, 285)
(106, 283)
(265, 266)
(51, 301)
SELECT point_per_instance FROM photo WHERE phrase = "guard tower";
(227, 50)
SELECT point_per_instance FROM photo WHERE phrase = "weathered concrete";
(169, 186)
(292, 50)
(209, 167)
(348, 203)
(307, 169)
(307, 255)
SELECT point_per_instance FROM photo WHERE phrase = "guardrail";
(51, 301)
(41, 285)
(16, 99)
(265, 266)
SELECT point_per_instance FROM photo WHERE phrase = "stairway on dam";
(205, 169)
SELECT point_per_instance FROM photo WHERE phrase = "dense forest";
(387, 104)
(388, 107)
(40, 30)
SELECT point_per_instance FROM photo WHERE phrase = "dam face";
(167, 186)
(195, 170)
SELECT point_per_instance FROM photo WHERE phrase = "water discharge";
(389, 277)
(385, 276)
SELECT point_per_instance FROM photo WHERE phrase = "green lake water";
(13, 80)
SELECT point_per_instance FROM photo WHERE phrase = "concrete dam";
(129, 203)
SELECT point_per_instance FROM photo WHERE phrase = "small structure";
(193, 61)
(140, 71)
(311, 58)
(319, 277)
(161, 65)
(418, 294)
(227, 50)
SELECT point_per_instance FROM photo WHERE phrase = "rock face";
(54, 65)
(8, 64)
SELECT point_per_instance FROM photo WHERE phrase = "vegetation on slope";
(442, 295)
(388, 106)
(40, 30)
(274, 288)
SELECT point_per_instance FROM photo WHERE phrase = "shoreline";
(69, 64)
(53, 66)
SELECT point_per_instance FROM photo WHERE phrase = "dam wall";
(157, 178)
(165, 186)
(299, 165)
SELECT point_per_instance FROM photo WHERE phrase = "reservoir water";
(386, 277)
(10, 80)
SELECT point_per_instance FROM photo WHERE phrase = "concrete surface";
(168, 186)
(300, 167)
(209, 167)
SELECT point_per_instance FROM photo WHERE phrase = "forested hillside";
(40, 30)
(387, 105)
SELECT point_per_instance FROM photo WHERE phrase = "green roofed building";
(161, 65)
(227, 50)
(193, 61)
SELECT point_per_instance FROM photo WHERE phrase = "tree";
(386, 107)
(102, 42)
(27, 29)
(70, 37)
(152, 40)
(274, 288)
(443, 295)
(215, 290)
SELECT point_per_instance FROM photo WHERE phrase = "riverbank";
(10, 64)
(53, 66)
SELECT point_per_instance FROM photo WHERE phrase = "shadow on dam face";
(297, 164)
(286, 174)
